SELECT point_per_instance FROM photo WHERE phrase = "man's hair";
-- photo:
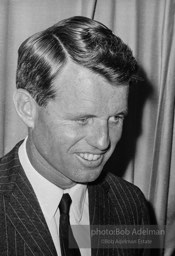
(82, 40)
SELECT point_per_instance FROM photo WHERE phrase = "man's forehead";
(77, 80)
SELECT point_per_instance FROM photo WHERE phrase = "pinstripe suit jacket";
(23, 229)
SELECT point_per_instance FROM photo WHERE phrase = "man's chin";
(90, 177)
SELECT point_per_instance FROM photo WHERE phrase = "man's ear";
(26, 107)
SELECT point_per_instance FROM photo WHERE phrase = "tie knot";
(64, 204)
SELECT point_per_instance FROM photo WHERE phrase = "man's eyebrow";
(79, 115)
(84, 114)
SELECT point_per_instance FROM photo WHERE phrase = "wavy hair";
(82, 40)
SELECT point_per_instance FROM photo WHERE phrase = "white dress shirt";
(49, 196)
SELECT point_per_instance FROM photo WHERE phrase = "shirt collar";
(78, 195)
(48, 194)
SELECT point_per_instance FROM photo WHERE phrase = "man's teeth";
(89, 157)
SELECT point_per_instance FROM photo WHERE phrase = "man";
(72, 90)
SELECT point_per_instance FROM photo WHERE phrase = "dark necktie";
(68, 244)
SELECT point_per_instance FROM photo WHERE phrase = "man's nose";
(99, 136)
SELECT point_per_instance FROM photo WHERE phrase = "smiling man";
(72, 91)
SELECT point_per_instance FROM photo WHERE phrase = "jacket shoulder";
(119, 184)
(5, 160)
(9, 164)
(128, 197)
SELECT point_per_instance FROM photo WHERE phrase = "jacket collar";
(22, 207)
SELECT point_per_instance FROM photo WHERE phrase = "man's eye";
(116, 119)
(82, 121)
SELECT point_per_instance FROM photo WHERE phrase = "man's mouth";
(90, 157)
(90, 160)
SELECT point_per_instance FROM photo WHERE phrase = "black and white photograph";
(87, 127)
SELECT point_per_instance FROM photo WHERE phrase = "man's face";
(77, 132)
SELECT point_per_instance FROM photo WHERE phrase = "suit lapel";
(100, 206)
(101, 213)
(24, 213)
